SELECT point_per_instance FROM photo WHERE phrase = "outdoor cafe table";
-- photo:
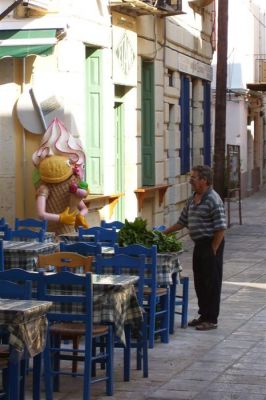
(24, 254)
(114, 301)
(27, 324)
(168, 270)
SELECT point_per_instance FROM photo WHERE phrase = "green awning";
(22, 43)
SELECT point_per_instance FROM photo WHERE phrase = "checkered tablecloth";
(26, 321)
(167, 264)
(111, 304)
(25, 254)
(118, 306)
(48, 238)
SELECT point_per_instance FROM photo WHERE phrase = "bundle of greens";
(136, 232)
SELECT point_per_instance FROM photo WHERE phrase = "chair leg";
(127, 353)
(145, 347)
(164, 301)
(75, 354)
(185, 283)
(109, 363)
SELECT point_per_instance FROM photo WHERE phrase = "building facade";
(131, 79)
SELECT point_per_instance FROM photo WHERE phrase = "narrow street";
(227, 363)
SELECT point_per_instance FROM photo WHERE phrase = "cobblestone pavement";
(224, 364)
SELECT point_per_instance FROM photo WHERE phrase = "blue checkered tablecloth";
(25, 254)
(26, 321)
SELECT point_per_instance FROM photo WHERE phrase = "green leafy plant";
(136, 232)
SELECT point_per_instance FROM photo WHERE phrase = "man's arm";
(217, 240)
(173, 228)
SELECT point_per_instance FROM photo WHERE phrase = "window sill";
(148, 191)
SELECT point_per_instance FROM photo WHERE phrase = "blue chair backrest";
(2, 221)
(160, 228)
(25, 234)
(85, 249)
(82, 301)
(104, 236)
(150, 253)
(30, 223)
(123, 264)
(115, 224)
(3, 225)
(19, 275)
(12, 290)
(1, 256)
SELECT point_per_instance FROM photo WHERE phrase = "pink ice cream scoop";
(78, 192)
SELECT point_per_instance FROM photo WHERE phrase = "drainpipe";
(24, 160)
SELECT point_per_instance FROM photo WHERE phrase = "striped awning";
(26, 42)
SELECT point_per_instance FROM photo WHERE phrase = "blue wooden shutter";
(94, 117)
(207, 123)
(185, 125)
(147, 119)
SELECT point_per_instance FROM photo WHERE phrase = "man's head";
(201, 177)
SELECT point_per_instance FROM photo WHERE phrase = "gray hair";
(205, 172)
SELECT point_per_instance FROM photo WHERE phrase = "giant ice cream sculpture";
(60, 162)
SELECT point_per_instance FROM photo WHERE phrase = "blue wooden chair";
(25, 234)
(159, 228)
(115, 224)
(67, 261)
(2, 221)
(117, 265)
(104, 236)
(4, 227)
(83, 248)
(30, 223)
(12, 290)
(181, 300)
(1, 256)
(13, 377)
(19, 275)
(62, 321)
(158, 298)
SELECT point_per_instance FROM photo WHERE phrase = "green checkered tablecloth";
(25, 254)
(26, 321)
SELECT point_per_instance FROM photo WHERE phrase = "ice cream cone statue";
(58, 178)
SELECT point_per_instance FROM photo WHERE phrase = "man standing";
(204, 216)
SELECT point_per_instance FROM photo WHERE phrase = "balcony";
(161, 8)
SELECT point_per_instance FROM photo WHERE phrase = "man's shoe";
(195, 322)
(206, 326)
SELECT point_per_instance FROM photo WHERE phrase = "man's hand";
(81, 221)
(67, 217)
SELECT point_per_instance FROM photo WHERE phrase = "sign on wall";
(124, 57)
(233, 166)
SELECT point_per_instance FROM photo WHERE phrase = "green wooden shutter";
(94, 117)
(147, 119)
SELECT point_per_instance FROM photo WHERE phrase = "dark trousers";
(208, 275)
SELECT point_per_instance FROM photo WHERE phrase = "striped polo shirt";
(203, 219)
